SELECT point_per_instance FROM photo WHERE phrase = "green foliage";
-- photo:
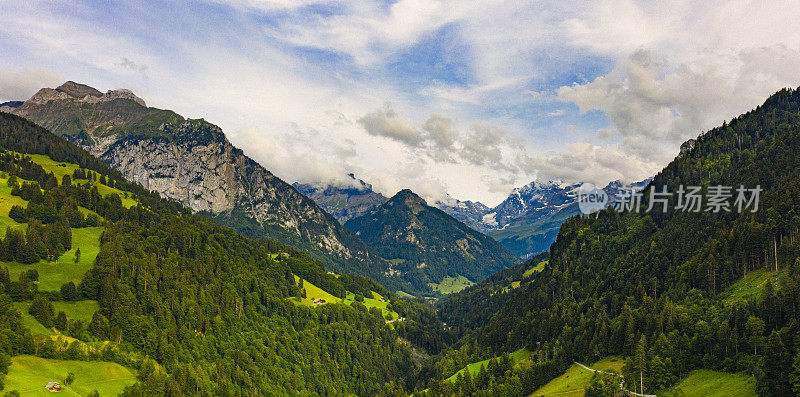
(42, 310)
(603, 385)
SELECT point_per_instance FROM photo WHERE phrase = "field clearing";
(6, 202)
(52, 275)
(60, 169)
(80, 310)
(451, 284)
(313, 292)
(518, 356)
(28, 375)
(536, 269)
(749, 287)
(707, 383)
(573, 382)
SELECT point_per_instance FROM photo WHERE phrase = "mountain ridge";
(425, 243)
(192, 161)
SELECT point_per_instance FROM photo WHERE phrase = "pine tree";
(772, 377)
(640, 361)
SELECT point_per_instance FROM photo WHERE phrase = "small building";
(319, 301)
(53, 386)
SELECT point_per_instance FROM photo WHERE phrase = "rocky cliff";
(344, 203)
(192, 161)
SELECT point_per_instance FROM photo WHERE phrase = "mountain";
(674, 291)
(527, 222)
(425, 244)
(468, 212)
(344, 203)
(102, 277)
(192, 161)
(11, 104)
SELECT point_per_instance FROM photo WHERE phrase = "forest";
(192, 306)
(661, 288)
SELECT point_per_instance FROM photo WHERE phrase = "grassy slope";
(28, 375)
(573, 382)
(81, 310)
(313, 292)
(61, 169)
(706, 383)
(52, 275)
(518, 356)
(6, 202)
(539, 267)
(451, 284)
(749, 287)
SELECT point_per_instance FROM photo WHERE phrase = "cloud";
(650, 98)
(584, 162)
(287, 156)
(19, 85)
(388, 124)
(126, 63)
(476, 87)
(440, 129)
(483, 143)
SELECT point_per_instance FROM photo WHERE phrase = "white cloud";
(647, 98)
(19, 85)
(387, 123)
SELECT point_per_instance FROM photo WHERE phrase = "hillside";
(657, 287)
(192, 161)
(185, 304)
(425, 244)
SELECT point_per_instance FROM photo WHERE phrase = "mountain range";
(116, 279)
(192, 162)
(425, 245)
(526, 222)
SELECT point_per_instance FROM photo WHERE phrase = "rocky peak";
(77, 90)
(112, 95)
(409, 199)
(82, 93)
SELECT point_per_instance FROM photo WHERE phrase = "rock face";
(192, 161)
(344, 203)
(686, 147)
(425, 244)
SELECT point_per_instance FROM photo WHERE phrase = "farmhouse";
(53, 386)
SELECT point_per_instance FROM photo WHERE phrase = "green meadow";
(451, 284)
(313, 292)
(574, 382)
(52, 275)
(707, 383)
(28, 375)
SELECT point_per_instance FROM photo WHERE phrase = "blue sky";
(464, 98)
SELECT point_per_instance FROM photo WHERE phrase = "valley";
(138, 294)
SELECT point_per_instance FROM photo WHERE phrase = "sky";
(452, 99)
